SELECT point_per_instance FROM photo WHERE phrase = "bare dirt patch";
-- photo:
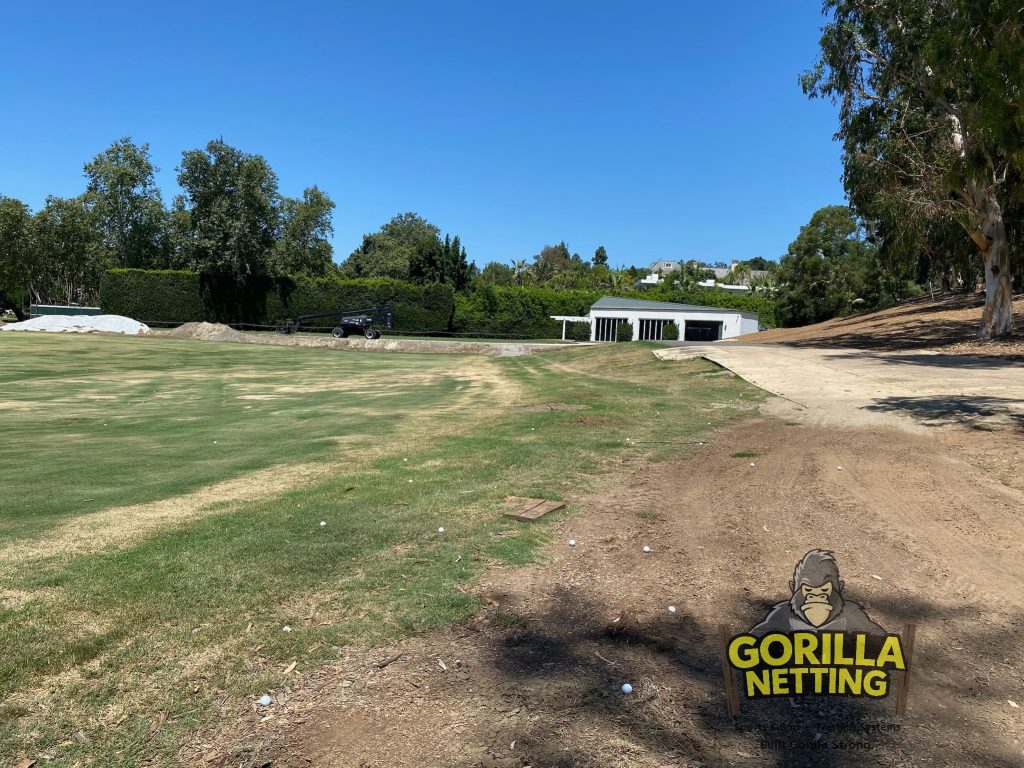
(948, 323)
(122, 526)
(922, 533)
(218, 332)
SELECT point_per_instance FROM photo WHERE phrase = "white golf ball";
(404, 459)
(286, 628)
(838, 467)
(627, 688)
(440, 530)
(751, 463)
(572, 542)
(646, 548)
(265, 700)
(323, 523)
(671, 609)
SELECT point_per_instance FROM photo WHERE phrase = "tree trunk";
(997, 319)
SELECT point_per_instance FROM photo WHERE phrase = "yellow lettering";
(742, 653)
(805, 646)
(850, 681)
(798, 679)
(862, 659)
(891, 653)
(759, 680)
(840, 659)
(780, 685)
(784, 656)
(876, 683)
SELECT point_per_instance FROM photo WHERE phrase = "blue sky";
(658, 129)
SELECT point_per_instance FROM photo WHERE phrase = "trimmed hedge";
(518, 312)
(577, 331)
(171, 296)
(418, 308)
(624, 332)
(670, 332)
(146, 295)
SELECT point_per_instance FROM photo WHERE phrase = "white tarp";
(80, 324)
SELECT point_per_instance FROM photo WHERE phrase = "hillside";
(948, 323)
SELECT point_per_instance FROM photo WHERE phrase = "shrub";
(624, 332)
(518, 312)
(169, 296)
(577, 331)
(670, 332)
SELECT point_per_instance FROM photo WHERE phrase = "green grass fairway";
(160, 520)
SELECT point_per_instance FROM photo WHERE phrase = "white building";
(649, 319)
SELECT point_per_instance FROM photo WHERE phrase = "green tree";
(930, 118)
(303, 248)
(71, 254)
(520, 270)
(233, 218)
(825, 269)
(495, 273)
(129, 211)
(17, 255)
(390, 251)
(600, 256)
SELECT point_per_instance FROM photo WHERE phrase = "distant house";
(649, 318)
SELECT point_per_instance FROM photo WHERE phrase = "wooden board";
(533, 509)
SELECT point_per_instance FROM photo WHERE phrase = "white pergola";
(570, 319)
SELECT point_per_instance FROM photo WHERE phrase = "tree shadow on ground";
(568, 666)
(977, 412)
(932, 360)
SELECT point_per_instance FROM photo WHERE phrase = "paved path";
(910, 390)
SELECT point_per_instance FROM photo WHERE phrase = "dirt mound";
(79, 324)
(207, 332)
(947, 322)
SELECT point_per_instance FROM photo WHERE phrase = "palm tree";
(519, 270)
(543, 270)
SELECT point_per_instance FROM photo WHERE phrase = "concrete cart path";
(911, 390)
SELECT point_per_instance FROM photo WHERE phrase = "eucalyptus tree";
(929, 93)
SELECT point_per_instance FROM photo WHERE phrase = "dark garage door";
(703, 330)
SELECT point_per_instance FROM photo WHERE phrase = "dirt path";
(908, 390)
(921, 535)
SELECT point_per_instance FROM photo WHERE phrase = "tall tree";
(600, 256)
(825, 270)
(303, 247)
(233, 218)
(71, 254)
(130, 213)
(17, 255)
(929, 94)
(389, 252)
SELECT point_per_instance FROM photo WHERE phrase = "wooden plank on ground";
(534, 509)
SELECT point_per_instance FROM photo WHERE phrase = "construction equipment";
(349, 321)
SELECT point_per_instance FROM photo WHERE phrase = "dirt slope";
(923, 530)
(948, 323)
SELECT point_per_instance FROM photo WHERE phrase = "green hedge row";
(178, 297)
(155, 295)
(524, 312)
(169, 296)
(418, 308)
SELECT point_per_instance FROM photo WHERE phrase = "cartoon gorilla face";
(816, 587)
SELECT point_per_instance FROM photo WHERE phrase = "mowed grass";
(182, 627)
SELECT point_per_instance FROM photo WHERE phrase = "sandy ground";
(922, 534)
(914, 390)
(948, 323)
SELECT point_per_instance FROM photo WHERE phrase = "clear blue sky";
(658, 129)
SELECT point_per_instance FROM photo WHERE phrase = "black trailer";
(368, 321)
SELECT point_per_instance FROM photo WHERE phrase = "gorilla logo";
(817, 604)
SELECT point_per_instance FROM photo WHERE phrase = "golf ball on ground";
(671, 609)
(323, 523)
(646, 548)
(265, 700)
(627, 688)
(440, 530)
(572, 542)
